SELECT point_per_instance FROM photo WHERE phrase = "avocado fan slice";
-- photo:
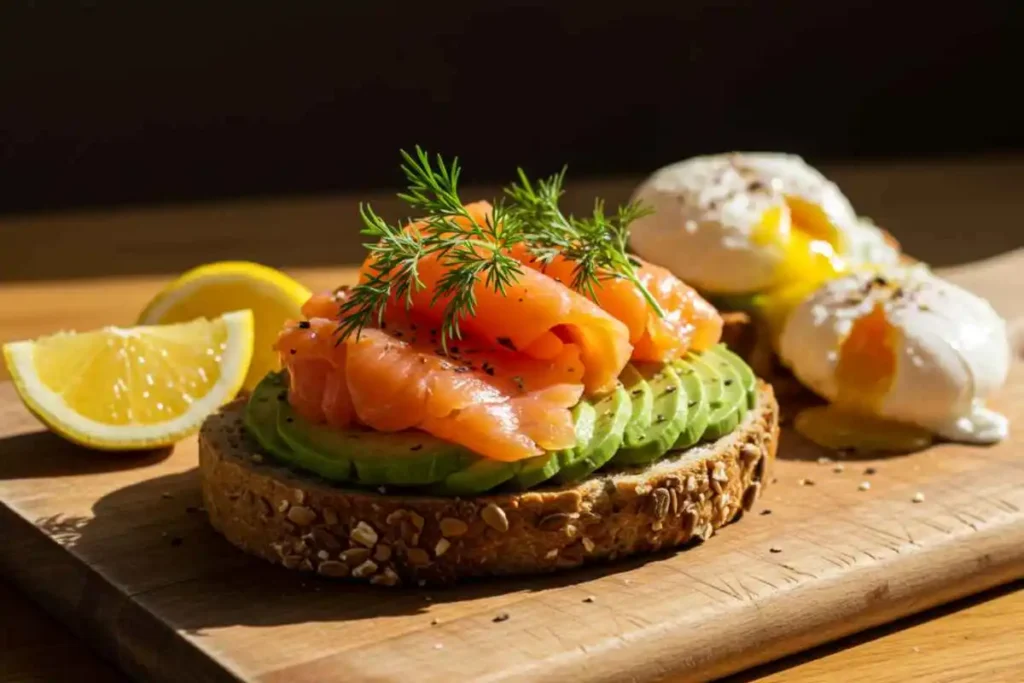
(612, 415)
(747, 377)
(642, 400)
(670, 416)
(732, 401)
(535, 471)
(698, 404)
(310, 453)
(260, 418)
(406, 458)
(481, 475)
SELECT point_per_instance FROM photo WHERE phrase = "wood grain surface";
(115, 546)
(946, 213)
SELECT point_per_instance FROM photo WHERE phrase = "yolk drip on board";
(864, 375)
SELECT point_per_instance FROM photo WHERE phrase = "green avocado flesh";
(654, 410)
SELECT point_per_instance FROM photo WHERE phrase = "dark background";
(107, 103)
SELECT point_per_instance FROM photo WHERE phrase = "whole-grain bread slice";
(385, 538)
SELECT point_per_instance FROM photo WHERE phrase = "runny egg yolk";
(864, 375)
(867, 362)
(811, 256)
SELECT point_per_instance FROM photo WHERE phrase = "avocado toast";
(505, 391)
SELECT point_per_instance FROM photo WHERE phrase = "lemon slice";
(130, 388)
(217, 288)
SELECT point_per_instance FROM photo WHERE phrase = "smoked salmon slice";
(689, 323)
(500, 404)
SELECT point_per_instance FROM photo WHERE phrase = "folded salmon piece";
(498, 403)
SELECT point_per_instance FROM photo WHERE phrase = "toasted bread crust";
(304, 523)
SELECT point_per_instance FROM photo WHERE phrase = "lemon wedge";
(217, 288)
(131, 388)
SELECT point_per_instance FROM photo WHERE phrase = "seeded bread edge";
(306, 524)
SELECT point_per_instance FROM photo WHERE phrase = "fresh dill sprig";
(597, 246)
(475, 251)
(472, 250)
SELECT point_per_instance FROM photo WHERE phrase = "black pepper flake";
(870, 470)
(488, 368)
(671, 390)
(292, 351)
(289, 419)
(755, 186)
(416, 447)
(691, 404)
(660, 418)
(507, 343)
(728, 382)
(500, 617)
(520, 299)
(766, 511)
(879, 281)
(282, 396)
(454, 350)
(398, 334)
(636, 392)
(304, 325)
(520, 383)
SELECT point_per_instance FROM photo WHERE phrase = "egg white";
(952, 349)
(707, 211)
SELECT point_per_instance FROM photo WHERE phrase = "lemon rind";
(266, 279)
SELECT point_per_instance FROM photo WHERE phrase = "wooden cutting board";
(118, 548)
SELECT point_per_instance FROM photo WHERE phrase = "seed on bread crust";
(364, 534)
(365, 569)
(662, 501)
(452, 527)
(494, 517)
(301, 515)
(442, 547)
(355, 556)
(333, 569)
(555, 522)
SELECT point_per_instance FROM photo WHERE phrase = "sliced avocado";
(642, 400)
(698, 405)
(535, 471)
(612, 415)
(747, 377)
(314, 448)
(261, 414)
(407, 458)
(731, 405)
(670, 417)
(480, 476)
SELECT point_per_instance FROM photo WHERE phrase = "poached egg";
(744, 223)
(900, 346)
